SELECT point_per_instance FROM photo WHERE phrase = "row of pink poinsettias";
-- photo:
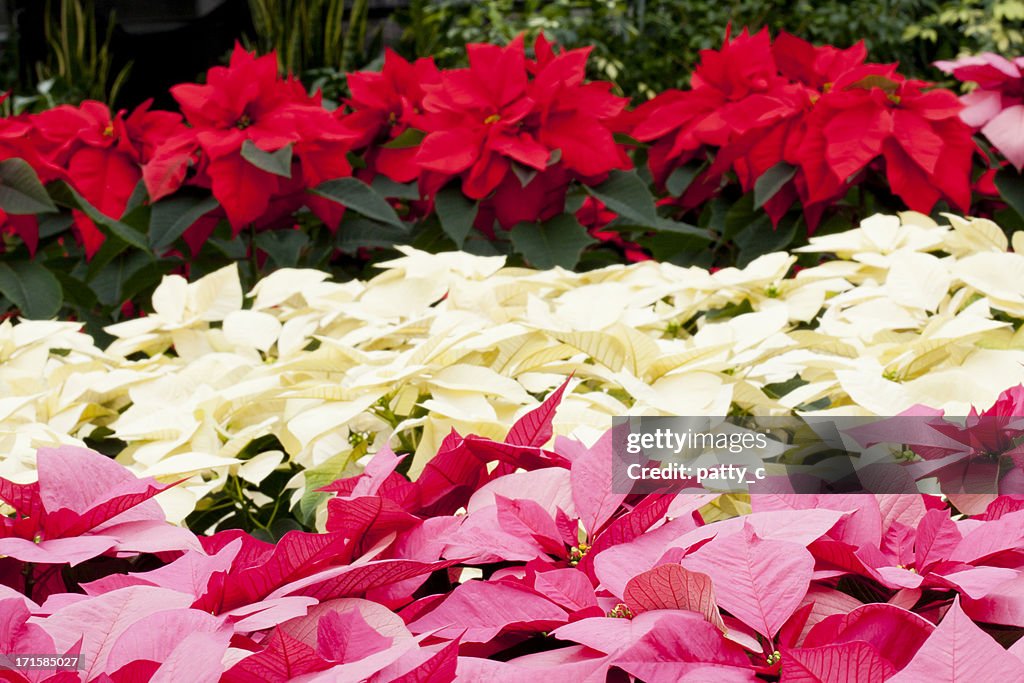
(508, 560)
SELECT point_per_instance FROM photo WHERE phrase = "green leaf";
(173, 216)
(771, 181)
(360, 197)
(278, 162)
(76, 292)
(681, 177)
(109, 283)
(456, 213)
(32, 288)
(627, 195)
(107, 225)
(524, 173)
(678, 249)
(21, 193)
(741, 215)
(330, 470)
(760, 238)
(1011, 188)
(283, 246)
(410, 137)
(359, 233)
(386, 187)
(665, 225)
(137, 198)
(557, 242)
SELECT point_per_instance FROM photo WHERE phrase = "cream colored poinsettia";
(321, 373)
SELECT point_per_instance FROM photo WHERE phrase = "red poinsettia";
(17, 142)
(384, 105)
(101, 155)
(754, 105)
(499, 129)
(873, 112)
(246, 102)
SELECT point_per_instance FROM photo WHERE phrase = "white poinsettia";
(321, 373)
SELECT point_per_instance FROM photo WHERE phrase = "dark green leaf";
(173, 216)
(76, 292)
(557, 242)
(741, 215)
(53, 224)
(524, 173)
(360, 233)
(360, 197)
(410, 137)
(137, 198)
(1011, 188)
(32, 288)
(665, 225)
(386, 187)
(456, 213)
(278, 162)
(21, 193)
(681, 177)
(105, 223)
(627, 195)
(109, 283)
(678, 249)
(760, 238)
(769, 184)
(108, 251)
(283, 246)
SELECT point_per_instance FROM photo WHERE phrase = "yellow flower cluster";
(903, 311)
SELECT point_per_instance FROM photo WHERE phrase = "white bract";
(907, 311)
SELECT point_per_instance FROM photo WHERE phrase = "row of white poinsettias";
(907, 312)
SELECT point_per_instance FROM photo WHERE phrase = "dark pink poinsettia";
(996, 106)
(83, 505)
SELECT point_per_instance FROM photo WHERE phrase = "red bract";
(872, 112)
(385, 105)
(595, 217)
(754, 106)
(247, 102)
(501, 130)
(996, 106)
(101, 155)
(16, 141)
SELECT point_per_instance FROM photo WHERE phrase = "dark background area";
(642, 46)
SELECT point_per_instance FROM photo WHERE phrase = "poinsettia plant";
(516, 154)
(506, 560)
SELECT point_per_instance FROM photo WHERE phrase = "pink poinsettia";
(83, 505)
(996, 106)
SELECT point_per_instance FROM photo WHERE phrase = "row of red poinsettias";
(516, 132)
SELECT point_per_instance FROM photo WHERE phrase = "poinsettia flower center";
(493, 118)
(108, 131)
(243, 122)
(621, 611)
